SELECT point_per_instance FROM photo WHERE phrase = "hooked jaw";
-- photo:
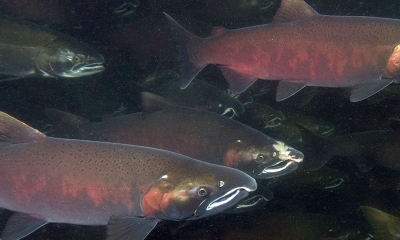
(91, 66)
(288, 162)
(227, 200)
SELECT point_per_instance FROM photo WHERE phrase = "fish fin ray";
(124, 228)
(293, 10)
(20, 225)
(154, 103)
(66, 124)
(238, 82)
(15, 131)
(380, 222)
(188, 69)
(362, 91)
(287, 89)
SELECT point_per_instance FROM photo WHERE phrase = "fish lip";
(288, 161)
(228, 196)
(85, 70)
(278, 169)
(227, 200)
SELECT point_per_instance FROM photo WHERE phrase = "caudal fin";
(384, 224)
(314, 149)
(182, 38)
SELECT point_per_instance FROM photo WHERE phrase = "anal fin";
(126, 228)
(20, 225)
(287, 89)
(362, 91)
(238, 82)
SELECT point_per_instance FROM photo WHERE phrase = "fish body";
(365, 149)
(48, 179)
(300, 48)
(199, 134)
(27, 49)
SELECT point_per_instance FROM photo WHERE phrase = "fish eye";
(77, 58)
(260, 157)
(221, 183)
(202, 191)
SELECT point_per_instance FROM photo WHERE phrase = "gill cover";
(61, 58)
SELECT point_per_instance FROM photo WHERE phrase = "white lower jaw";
(274, 170)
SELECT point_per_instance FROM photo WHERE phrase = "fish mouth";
(226, 198)
(288, 161)
(87, 69)
(285, 152)
(278, 169)
(223, 202)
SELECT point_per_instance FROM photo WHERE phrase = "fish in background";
(231, 12)
(200, 95)
(263, 225)
(199, 134)
(128, 188)
(31, 50)
(299, 48)
(365, 149)
(284, 123)
(386, 226)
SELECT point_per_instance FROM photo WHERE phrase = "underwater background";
(140, 55)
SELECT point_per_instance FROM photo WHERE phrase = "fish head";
(69, 59)
(196, 192)
(262, 157)
(393, 66)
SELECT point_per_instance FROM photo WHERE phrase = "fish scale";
(98, 183)
(299, 48)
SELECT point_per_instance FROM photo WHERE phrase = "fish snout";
(287, 160)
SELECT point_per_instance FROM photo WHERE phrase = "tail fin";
(384, 224)
(182, 38)
(314, 149)
(66, 125)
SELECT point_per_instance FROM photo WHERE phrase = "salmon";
(299, 48)
(128, 188)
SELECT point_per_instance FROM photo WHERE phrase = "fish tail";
(381, 222)
(314, 149)
(188, 68)
(64, 124)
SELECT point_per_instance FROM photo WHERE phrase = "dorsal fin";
(153, 103)
(15, 131)
(293, 10)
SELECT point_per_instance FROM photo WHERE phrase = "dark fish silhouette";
(29, 50)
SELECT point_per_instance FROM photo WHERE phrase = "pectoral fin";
(362, 91)
(20, 225)
(126, 228)
(238, 82)
(287, 89)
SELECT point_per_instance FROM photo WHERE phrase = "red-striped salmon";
(128, 188)
(300, 48)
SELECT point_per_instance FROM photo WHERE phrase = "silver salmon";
(128, 188)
